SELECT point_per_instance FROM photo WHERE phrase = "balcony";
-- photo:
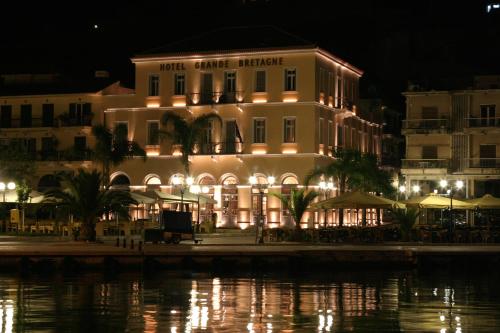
(64, 155)
(484, 163)
(483, 122)
(425, 126)
(215, 97)
(219, 148)
(28, 123)
(425, 164)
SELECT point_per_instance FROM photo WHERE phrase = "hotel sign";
(223, 64)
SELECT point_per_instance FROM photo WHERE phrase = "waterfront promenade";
(14, 250)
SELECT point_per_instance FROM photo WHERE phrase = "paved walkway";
(12, 246)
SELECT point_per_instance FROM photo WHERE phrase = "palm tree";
(341, 169)
(187, 133)
(297, 203)
(113, 147)
(87, 200)
(406, 218)
(370, 178)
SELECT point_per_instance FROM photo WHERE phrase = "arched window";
(120, 182)
(153, 183)
(288, 183)
(48, 182)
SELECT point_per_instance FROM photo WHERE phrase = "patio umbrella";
(204, 199)
(485, 202)
(437, 202)
(11, 196)
(357, 200)
(141, 198)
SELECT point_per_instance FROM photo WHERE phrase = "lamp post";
(259, 225)
(181, 182)
(402, 190)
(451, 190)
(326, 188)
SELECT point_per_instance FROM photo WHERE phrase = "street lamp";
(179, 181)
(259, 225)
(326, 188)
(416, 189)
(10, 186)
(451, 190)
(402, 190)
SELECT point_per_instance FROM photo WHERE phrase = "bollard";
(140, 245)
(131, 244)
(124, 243)
(117, 242)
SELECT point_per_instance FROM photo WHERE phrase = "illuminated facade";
(284, 110)
(453, 135)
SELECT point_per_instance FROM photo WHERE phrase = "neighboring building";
(286, 104)
(454, 135)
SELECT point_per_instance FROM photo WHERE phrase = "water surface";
(359, 301)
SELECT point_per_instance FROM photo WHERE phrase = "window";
(80, 143)
(122, 124)
(487, 156)
(340, 135)
(339, 88)
(48, 144)
(80, 114)
(26, 115)
(331, 84)
(179, 84)
(330, 133)
(229, 88)
(289, 130)
(488, 115)
(153, 131)
(429, 112)
(229, 82)
(154, 85)
(260, 81)
(320, 130)
(290, 80)
(429, 152)
(259, 130)
(47, 115)
(6, 116)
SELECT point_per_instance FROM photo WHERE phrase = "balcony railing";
(65, 155)
(27, 123)
(425, 164)
(219, 148)
(214, 97)
(426, 125)
(483, 122)
(484, 162)
(79, 121)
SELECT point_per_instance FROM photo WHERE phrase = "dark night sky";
(431, 42)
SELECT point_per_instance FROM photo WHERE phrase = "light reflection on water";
(164, 302)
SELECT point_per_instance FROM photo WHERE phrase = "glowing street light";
(253, 180)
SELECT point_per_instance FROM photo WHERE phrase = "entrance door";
(206, 88)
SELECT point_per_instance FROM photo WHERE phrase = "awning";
(437, 202)
(357, 200)
(485, 202)
(141, 198)
(11, 196)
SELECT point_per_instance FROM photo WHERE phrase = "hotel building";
(286, 104)
(454, 135)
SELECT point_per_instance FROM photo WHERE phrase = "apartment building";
(454, 135)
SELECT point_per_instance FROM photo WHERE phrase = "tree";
(406, 219)
(368, 177)
(344, 166)
(86, 199)
(297, 203)
(187, 133)
(113, 147)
